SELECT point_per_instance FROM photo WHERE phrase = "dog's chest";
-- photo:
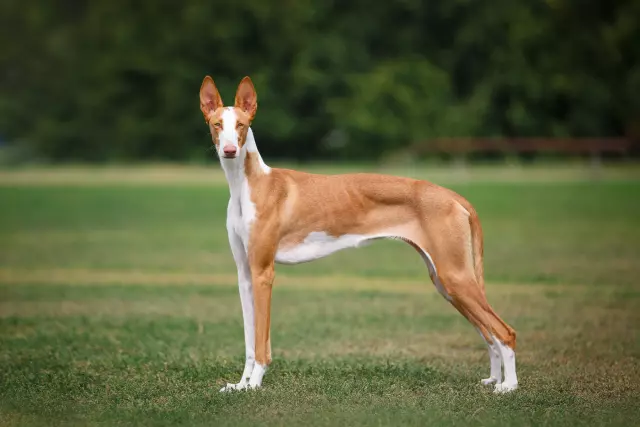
(240, 214)
(240, 225)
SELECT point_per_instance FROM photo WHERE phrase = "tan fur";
(291, 204)
(210, 99)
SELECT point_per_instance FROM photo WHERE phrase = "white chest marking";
(241, 211)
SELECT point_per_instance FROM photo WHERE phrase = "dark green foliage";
(119, 80)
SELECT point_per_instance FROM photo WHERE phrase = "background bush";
(97, 80)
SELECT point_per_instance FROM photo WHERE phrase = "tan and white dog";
(289, 217)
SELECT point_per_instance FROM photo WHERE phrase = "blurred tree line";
(99, 80)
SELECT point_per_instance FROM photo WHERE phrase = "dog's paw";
(505, 387)
(488, 381)
(239, 387)
(234, 387)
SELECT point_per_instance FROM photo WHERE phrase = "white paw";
(505, 387)
(488, 381)
(233, 387)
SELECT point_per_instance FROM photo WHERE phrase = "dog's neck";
(247, 166)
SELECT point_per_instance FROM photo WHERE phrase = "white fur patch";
(257, 375)
(495, 363)
(318, 244)
(508, 357)
(228, 133)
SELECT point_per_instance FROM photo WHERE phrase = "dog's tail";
(477, 246)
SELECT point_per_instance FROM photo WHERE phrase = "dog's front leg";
(246, 300)
(262, 278)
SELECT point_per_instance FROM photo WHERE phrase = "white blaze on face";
(229, 134)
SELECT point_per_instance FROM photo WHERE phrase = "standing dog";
(289, 217)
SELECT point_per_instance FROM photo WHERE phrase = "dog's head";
(228, 125)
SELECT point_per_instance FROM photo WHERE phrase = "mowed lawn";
(118, 306)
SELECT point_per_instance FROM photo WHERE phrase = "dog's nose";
(229, 150)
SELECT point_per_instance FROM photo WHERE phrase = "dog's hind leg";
(456, 274)
(495, 358)
(500, 337)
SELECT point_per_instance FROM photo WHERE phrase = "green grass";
(118, 305)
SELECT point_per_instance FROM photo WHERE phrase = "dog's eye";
(217, 124)
(240, 125)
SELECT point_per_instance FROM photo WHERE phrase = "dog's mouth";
(228, 156)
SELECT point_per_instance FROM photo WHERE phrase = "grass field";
(118, 305)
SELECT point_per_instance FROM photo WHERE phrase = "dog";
(289, 217)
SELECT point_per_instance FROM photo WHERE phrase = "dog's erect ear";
(209, 97)
(247, 98)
